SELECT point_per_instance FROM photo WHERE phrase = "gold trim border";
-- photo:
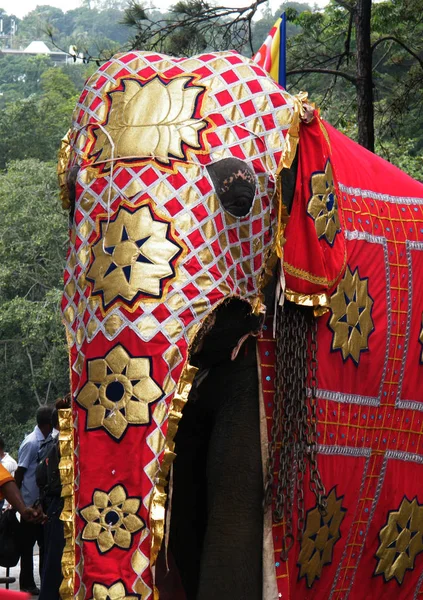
(66, 470)
(306, 276)
(63, 160)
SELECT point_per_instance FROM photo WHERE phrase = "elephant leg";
(189, 491)
(231, 561)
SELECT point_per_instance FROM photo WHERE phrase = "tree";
(357, 42)
(33, 353)
(33, 127)
(20, 76)
(192, 26)
(341, 42)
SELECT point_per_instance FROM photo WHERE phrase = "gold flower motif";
(116, 591)
(421, 340)
(401, 540)
(111, 519)
(323, 205)
(351, 320)
(119, 392)
(150, 118)
(133, 256)
(320, 536)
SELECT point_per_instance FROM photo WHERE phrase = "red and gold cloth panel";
(152, 253)
(370, 375)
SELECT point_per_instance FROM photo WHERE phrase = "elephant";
(243, 311)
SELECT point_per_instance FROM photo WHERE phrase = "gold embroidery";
(351, 319)
(152, 118)
(116, 591)
(301, 274)
(320, 536)
(66, 470)
(421, 341)
(401, 540)
(133, 256)
(119, 392)
(65, 154)
(323, 205)
(111, 520)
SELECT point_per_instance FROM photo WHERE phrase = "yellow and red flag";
(271, 55)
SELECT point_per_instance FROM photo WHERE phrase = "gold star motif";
(154, 118)
(351, 319)
(401, 540)
(323, 205)
(119, 392)
(320, 536)
(133, 256)
(111, 520)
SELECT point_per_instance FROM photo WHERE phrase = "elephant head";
(173, 167)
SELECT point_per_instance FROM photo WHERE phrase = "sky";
(21, 7)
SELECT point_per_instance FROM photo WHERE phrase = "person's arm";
(12, 494)
(19, 475)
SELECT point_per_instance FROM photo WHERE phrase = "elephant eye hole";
(235, 185)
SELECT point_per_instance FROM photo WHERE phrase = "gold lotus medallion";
(111, 520)
(319, 538)
(134, 256)
(401, 540)
(157, 118)
(119, 392)
(323, 205)
(351, 319)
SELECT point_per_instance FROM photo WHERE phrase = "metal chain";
(294, 425)
(316, 484)
(302, 425)
(285, 383)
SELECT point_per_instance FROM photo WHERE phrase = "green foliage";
(33, 127)
(96, 29)
(327, 42)
(404, 155)
(33, 236)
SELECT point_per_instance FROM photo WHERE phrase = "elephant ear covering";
(314, 252)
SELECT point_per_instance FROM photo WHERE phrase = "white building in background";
(38, 47)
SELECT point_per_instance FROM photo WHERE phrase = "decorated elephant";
(240, 270)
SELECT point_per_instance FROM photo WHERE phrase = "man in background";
(25, 478)
(9, 464)
(48, 479)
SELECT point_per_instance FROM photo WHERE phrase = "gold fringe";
(158, 502)
(62, 167)
(66, 469)
(319, 302)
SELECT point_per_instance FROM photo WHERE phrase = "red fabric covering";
(129, 326)
(370, 373)
(313, 263)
